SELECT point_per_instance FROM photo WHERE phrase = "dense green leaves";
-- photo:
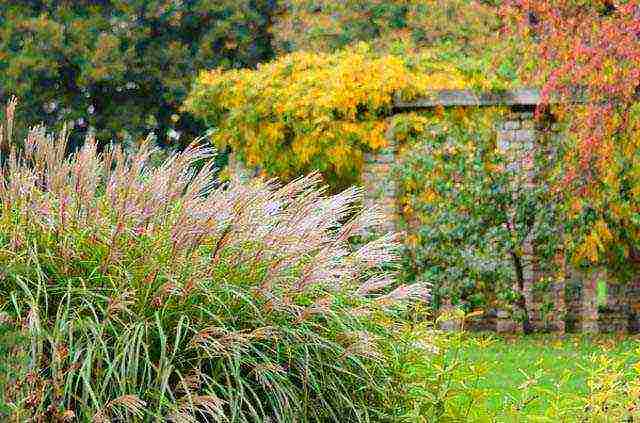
(471, 207)
(122, 67)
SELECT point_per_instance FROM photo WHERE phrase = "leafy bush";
(471, 208)
(155, 293)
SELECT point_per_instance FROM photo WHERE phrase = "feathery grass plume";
(6, 127)
(153, 293)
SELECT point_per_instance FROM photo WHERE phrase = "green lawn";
(536, 371)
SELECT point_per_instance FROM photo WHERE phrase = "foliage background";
(122, 68)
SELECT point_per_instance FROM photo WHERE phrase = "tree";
(327, 25)
(123, 67)
(587, 59)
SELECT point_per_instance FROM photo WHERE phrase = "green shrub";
(157, 294)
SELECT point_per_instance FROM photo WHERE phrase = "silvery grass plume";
(157, 293)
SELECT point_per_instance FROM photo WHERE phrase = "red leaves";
(593, 49)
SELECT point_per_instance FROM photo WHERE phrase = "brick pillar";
(590, 303)
(379, 185)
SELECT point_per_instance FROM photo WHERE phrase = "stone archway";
(516, 135)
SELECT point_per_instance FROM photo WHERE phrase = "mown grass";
(536, 371)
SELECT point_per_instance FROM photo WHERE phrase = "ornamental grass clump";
(155, 294)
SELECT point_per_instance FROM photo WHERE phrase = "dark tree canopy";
(122, 67)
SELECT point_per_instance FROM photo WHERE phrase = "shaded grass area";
(536, 372)
(11, 342)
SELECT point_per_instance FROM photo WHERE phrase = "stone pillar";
(590, 302)
(558, 323)
(615, 318)
(633, 302)
(379, 185)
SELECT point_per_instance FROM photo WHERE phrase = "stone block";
(385, 158)
(377, 168)
(505, 323)
(525, 135)
(528, 124)
(511, 125)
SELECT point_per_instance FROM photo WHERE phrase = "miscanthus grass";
(152, 293)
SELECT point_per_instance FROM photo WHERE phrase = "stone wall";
(518, 135)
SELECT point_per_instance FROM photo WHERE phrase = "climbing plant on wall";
(587, 59)
(471, 207)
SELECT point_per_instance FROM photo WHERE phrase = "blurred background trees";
(121, 68)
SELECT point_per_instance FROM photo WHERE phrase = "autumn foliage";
(587, 60)
(310, 110)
